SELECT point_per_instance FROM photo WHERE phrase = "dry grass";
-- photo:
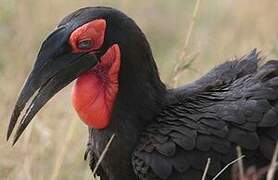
(103, 154)
(273, 165)
(240, 162)
(227, 166)
(184, 61)
(224, 28)
(206, 169)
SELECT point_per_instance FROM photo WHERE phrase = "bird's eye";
(85, 44)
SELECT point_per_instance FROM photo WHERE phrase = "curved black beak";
(56, 66)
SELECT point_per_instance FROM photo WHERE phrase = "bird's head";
(104, 50)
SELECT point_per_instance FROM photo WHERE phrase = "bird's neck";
(141, 91)
(139, 99)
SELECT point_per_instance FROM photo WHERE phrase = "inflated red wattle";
(94, 92)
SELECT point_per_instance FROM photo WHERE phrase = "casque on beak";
(56, 66)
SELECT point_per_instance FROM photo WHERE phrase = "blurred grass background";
(224, 28)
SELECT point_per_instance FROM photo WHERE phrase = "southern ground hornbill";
(160, 133)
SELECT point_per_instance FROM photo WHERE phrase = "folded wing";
(234, 104)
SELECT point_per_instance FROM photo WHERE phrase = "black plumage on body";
(234, 104)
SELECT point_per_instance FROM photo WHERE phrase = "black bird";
(160, 133)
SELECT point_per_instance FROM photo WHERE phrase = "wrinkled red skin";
(94, 92)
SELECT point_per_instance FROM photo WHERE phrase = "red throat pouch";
(94, 92)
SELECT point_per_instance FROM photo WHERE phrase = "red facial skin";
(94, 92)
(93, 30)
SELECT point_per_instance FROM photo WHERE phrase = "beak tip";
(16, 137)
(14, 143)
(12, 123)
(8, 137)
(9, 132)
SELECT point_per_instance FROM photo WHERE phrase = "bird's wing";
(234, 104)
